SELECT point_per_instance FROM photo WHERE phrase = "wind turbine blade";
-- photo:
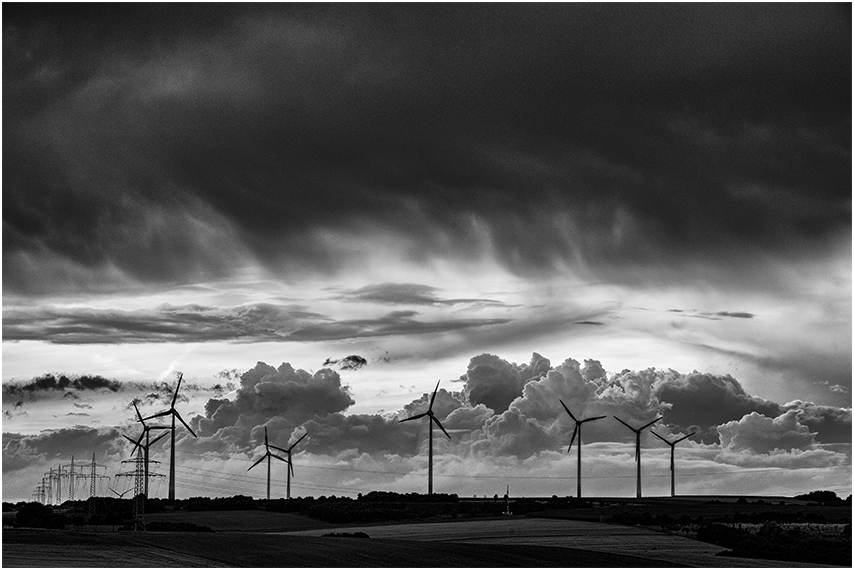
(177, 415)
(263, 457)
(567, 410)
(175, 396)
(135, 443)
(158, 438)
(266, 443)
(433, 397)
(659, 437)
(279, 458)
(297, 441)
(643, 427)
(160, 415)
(158, 427)
(637, 448)
(291, 467)
(625, 424)
(584, 421)
(684, 437)
(412, 418)
(278, 448)
(441, 427)
(574, 432)
(138, 414)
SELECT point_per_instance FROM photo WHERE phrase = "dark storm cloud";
(61, 382)
(195, 323)
(352, 362)
(159, 143)
(20, 451)
(706, 400)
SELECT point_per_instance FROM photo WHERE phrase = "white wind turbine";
(672, 445)
(267, 456)
(637, 445)
(289, 459)
(577, 431)
(174, 413)
(433, 418)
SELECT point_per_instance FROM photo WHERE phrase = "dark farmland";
(543, 532)
(29, 548)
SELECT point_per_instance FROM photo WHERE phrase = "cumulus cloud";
(531, 429)
(760, 434)
(703, 401)
(830, 424)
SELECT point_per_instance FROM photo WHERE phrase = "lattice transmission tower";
(93, 477)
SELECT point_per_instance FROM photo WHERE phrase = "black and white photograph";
(427, 284)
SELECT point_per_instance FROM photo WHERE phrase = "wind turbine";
(289, 460)
(637, 445)
(433, 418)
(146, 429)
(267, 456)
(174, 413)
(672, 445)
(577, 431)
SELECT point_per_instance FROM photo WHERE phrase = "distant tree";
(824, 497)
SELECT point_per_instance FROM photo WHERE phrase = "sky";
(316, 212)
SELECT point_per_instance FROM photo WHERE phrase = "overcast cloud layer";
(161, 144)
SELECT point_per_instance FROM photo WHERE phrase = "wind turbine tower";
(290, 459)
(637, 445)
(672, 445)
(268, 455)
(577, 431)
(433, 418)
(146, 431)
(174, 413)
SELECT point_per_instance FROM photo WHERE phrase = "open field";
(23, 548)
(580, 535)
(505, 542)
(554, 536)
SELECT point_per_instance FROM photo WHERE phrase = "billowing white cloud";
(533, 429)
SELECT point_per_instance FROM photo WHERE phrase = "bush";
(347, 534)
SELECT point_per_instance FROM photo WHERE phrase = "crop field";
(554, 538)
(579, 535)
(243, 521)
(237, 549)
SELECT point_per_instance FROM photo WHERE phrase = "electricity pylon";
(93, 483)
